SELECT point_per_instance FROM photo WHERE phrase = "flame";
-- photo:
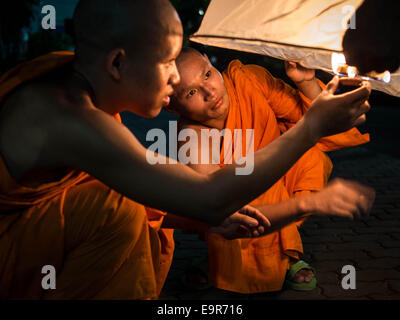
(339, 67)
(352, 72)
(386, 76)
(337, 60)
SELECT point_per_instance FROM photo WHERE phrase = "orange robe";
(101, 244)
(261, 102)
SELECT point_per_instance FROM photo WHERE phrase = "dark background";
(21, 38)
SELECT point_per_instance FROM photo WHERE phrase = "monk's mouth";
(217, 104)
(166, 100)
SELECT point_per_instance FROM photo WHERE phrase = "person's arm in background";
(288, 104)
(304, 79)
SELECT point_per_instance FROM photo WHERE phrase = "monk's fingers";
(242, 231)
(364, 195)
(361, 109)
(347, 210)
(256, 214)
(255, 233)
(360, 200)
(369, 198)
(358, 95)
(231, 231)
(364, 205)
(290, 64)
(243, 219)
(298, 66)
(366, 198)
(360, 120)
(332, 85)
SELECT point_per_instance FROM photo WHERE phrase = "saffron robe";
(261, 102)
(101, 244)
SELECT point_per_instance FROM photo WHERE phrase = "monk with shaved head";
(248, 97)
(79, 202)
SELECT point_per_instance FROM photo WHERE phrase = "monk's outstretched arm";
(104, 148)
(336, 200)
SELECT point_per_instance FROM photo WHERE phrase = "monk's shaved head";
(188, 53)
(125, 53)
(138, 26)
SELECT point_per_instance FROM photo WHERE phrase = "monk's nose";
(209, 93)
(175, 77)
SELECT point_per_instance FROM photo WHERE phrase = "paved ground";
(371, 245)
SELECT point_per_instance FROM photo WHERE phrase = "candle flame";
(352, 72)
(339, 67)
(337, 60)
(386, 76)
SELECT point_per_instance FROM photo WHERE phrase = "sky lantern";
(308, 32)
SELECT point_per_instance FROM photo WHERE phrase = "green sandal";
(300, 286)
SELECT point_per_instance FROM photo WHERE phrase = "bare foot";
(303, 275)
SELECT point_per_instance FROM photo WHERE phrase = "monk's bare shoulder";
(28, 119)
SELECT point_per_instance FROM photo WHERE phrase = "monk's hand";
(341, 198)
(298, 73)
(246, 223)
(332, 113)
(252, 212)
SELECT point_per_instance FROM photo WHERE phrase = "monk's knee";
(93, 210)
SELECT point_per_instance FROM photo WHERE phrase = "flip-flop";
(199, 268)
(300, 286)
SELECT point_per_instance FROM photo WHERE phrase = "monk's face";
(150, 82)
(201, 95)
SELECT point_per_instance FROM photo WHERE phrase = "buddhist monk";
(77, 191)
(253, 98)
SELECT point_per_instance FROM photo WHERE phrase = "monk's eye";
(208, 74)
(191, 93)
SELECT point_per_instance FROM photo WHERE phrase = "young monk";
(75, 181)
(248, 97)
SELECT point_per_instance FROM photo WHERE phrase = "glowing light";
(386, 76)
(339, 67)
(201, 12)
(351, 72)
(337, 60)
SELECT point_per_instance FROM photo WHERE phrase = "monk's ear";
(115, 63)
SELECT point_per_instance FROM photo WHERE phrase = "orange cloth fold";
(261, 102)
(102, 245)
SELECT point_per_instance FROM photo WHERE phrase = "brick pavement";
(371, 245)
